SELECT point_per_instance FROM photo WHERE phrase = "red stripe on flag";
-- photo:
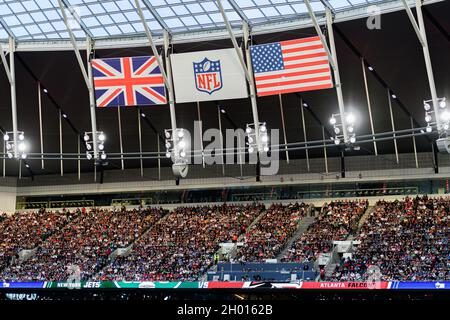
(102, 69)
(304, 56)
(298, 41)
(145, 66)
(110, 98)
(310, 88)
(306, 64)
(293, 74)
(319, 46)
(123, 82)
(155, 94)
(287, 83)
(128, 77)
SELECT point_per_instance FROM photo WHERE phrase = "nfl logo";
(208, 75)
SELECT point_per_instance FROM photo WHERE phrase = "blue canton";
(267, 57)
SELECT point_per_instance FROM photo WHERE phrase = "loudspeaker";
(443, 145)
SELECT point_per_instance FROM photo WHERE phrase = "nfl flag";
(290, 66)
(128, 82)
(208, 75)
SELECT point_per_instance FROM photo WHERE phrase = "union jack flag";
(128, 81)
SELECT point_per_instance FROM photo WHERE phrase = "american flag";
(291, 66)
(128, 82)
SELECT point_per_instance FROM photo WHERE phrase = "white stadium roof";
(38, 24)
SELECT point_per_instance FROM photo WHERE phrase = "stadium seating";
(26, 230)
(405, 240)
(267, 237)
(337, 221)
(181, 246)
(85, 244)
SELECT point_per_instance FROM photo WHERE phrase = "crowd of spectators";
(83, 245)
(337, 220)
(27, 230)
(402, 240)
(266, 238)
(181, 247)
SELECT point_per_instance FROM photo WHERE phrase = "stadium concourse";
(406, 239)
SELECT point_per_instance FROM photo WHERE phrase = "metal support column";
(280, 98)
(337, 77)
(247, 68)
(325, 150)
(200, 128)
(369, 105)
(251, 81)
(419, 28)
(319, 32)
(119, 119)
(10, 73)
(87, 76)
(159, 156)
(61, 161)
(414, 142)
(392, 124)
(41, 131)
(79, 157)
(169, 85)
(141, 162)
(304, 133)
(219, 118)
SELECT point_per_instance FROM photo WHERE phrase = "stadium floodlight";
(427, 118)
(16, 149)
(442, 103)
(426, 106)
(350, 118)
(22, 146)
(344, 133)
(445, 115)
(333, 120)
(177, 144)
(263, 138)
(429, 129)
(100, 151)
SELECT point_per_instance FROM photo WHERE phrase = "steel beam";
(337, 77)
(320, 33)
(169, 86)
(156, 15)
